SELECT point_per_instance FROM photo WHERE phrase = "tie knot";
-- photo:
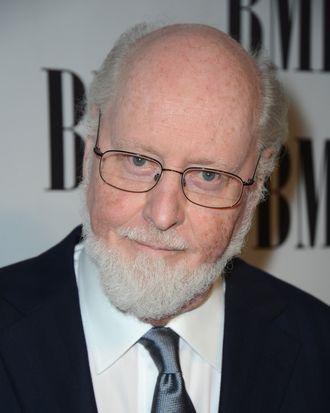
(163, 346)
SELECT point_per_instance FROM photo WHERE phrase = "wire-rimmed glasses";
(138, 173)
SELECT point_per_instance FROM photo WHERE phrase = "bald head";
(189, 74)
(195, 62)
(197, 45)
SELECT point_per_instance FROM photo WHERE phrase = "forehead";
(187, 95)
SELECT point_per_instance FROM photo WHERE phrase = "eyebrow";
(132, 145)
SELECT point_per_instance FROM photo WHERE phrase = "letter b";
(57, 128)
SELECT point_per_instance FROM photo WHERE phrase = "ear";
(89, 145)
(268, 152)
(266, 157)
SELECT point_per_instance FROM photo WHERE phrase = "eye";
(138, 161)
(208, 175)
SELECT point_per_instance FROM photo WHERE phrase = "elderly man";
(149, 310)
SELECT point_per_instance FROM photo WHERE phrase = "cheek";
(215, 232)
(110, 208)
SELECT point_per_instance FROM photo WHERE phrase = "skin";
(190, 98)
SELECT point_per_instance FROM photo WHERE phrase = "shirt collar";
(111, 333)
(203, 327)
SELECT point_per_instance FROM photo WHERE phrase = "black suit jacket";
(276, 355)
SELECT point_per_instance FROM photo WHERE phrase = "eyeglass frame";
(97, 151)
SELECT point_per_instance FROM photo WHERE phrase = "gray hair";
(103, 88)
(272, 127)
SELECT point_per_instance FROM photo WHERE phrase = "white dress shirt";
(123, 373)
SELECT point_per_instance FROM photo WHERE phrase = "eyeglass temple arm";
(250, 181)
(97, 149)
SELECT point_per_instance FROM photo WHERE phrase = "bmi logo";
(286, 28)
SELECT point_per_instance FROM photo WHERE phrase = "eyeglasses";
(137, 173)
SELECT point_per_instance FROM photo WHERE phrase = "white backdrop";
(36, 37)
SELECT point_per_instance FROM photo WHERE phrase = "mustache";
(154, 236)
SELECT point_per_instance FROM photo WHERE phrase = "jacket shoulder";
(27, 284)
(268, 288)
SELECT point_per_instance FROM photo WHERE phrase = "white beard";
(149, 288)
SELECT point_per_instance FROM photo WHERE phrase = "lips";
(155, 247)
(154, 239)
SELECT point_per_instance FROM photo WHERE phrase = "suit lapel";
(45, 352)
(258, 356)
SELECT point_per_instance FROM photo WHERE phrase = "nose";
(165, 204)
